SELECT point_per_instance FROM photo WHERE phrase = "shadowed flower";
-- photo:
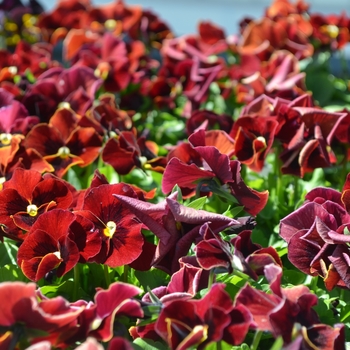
(176, 226)
(317, 237)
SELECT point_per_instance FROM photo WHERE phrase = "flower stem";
(76, 280)
(125, 273)
(256, 340)
(211, 278)
(106, 273)
(296, 190)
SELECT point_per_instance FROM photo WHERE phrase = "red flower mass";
(128, 154)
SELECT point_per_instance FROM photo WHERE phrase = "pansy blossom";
(120, 232)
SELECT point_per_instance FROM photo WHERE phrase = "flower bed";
(173, 192)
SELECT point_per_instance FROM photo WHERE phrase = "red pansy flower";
(176, 226)
(316, 236)
(26, 196)
(187, 323)
(253, 140)
(76, 86)
(24, 313)
(310, 147)
(125, 151)
(99, 319)
(120, 232)
(240, 253)
(278, 312)
(54, 243)
(215, 166)
(63, 143)
(203, 119)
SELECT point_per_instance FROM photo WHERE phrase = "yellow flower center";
(64, 104)
(110, 229)
(32, 210)
(331, 30)
(63, 152)
(5, 138)
(110, 24)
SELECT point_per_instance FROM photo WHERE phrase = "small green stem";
(218, 345)
(296, 190)
(76, 278)
(106, 273)
(211, 278)
(313, 284)
(126, 273)
(256, 340)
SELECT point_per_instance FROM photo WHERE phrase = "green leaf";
(64, 289)
(152, 278)
(321, 86)
(147, 344)
(177, 189)
(12, 273)
(8, 252)
(236, 210)
(197, 203)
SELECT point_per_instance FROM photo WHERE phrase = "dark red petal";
(24, 181)
(183, 175)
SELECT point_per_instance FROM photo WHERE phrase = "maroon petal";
(302, 218)
(252, 200)
(116, 300)
(341, 261)
(259, 304)
(183, 175)
(192, 216)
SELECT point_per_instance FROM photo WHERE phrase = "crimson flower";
(216, 166)
(100, 317)
(183, 284)
(57, 241)
(253, 140)
(288, 312)
(188, 323)
(76, 86)
(316, 235)
(120, 233)
(26, 196)
(239, 253)
(105, 116)
(263, 37)
(310, 147)
(24, 313)
(125, 151)
(176, 226)
(14, 118)
(63, 143)
(208, 120)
